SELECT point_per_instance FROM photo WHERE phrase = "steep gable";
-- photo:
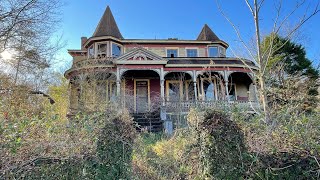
(140, 54)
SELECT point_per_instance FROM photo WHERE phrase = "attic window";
(172, 52)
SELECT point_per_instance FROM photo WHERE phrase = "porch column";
(195, 86)
(226, 82)
(167, 123)
(118, 82)
(162, 87)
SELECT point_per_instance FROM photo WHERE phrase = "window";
(91, 52)
(172, 52)
(192, 52)
(213, 51)
(174, 90)
(102, 50)
(116, 50)
(222, 52)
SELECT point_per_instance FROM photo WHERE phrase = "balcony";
(96, 62)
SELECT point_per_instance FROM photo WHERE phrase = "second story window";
(213, 51)
(91, 52)
(116, 50)
(102, 50)
(172, 52)
(192, 52)
(222, 52)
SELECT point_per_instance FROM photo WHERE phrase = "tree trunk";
(262, 64)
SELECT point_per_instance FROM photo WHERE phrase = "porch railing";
(184, 106)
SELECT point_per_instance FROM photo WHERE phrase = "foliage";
(223, 151)
(289, 56)
(159, 157)
(114, 148)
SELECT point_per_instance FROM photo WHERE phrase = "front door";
(142, 97)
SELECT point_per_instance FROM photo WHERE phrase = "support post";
(118, 82)
(195, 86)
(162, 87)
(226, 82)
(167, 123)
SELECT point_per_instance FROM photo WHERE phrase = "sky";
(183, 19)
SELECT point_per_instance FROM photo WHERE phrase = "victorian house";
(156, 79)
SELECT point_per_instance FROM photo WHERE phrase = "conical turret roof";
(207, 34)
(107, 26)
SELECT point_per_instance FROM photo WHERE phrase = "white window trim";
(122, 49)
(174, 48)
(102, 42)
(196, 48)
(209, 51)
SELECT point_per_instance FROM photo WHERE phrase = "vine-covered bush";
(114, 148)
(224, 150)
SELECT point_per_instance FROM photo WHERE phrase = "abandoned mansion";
(156, 79)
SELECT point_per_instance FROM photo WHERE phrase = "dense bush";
(225, 153)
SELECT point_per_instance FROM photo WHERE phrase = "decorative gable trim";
(140, 56)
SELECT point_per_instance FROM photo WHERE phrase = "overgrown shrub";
(223, 148)
(114, 148)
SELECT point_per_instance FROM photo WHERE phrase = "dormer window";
(91, 52)
(116, 50)
(172, 52)
(102, 50)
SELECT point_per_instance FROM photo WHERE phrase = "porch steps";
(150, 122)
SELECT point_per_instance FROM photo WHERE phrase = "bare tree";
(263, 56)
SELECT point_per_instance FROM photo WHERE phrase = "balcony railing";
(102, 61)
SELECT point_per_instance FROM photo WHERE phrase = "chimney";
(83, 40)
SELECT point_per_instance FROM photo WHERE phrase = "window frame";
(107, 48)
(93, 48)
(172, 48)
(211, 46)
(202, 94)
(168, 88)
(111, 49)
(192, 48)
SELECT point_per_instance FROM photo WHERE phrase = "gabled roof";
(207, 34)
(141, 55)
(107, 26)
